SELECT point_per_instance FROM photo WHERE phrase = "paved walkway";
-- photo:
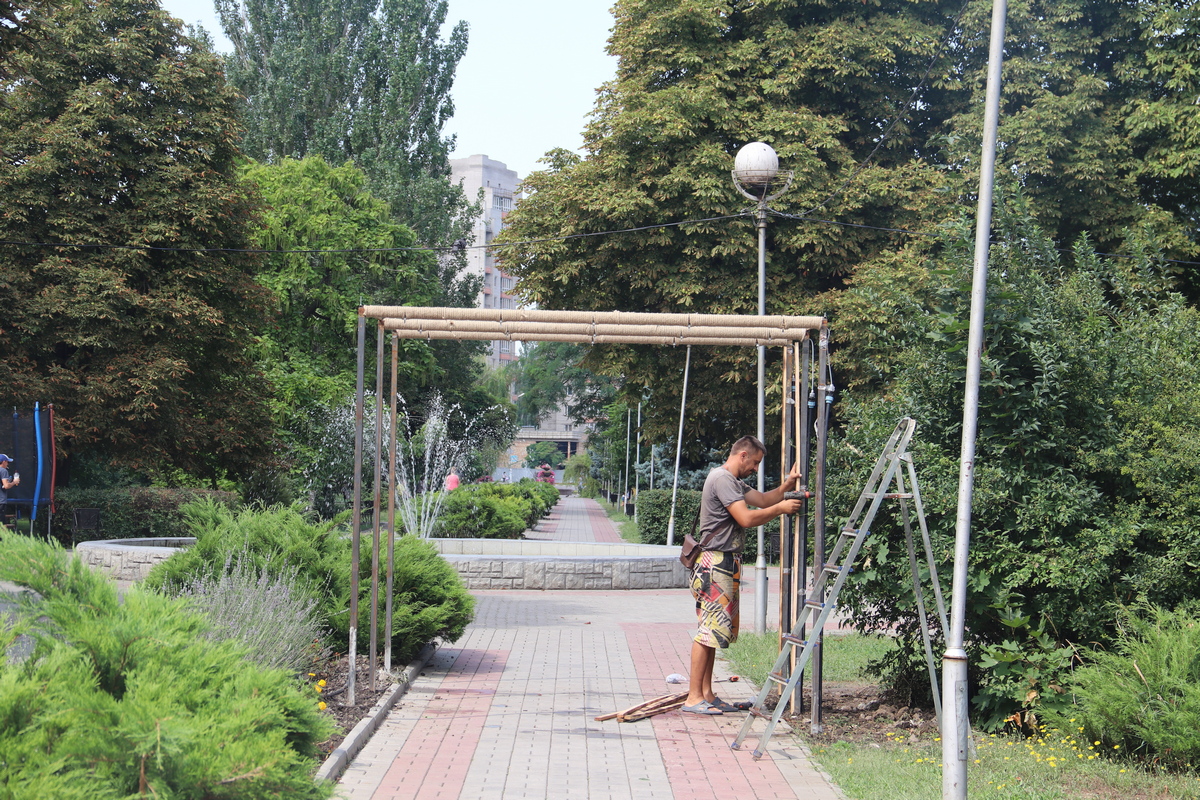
(508, 710)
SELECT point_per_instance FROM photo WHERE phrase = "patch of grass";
(626, 527)
(1054, 766)
(845, 655)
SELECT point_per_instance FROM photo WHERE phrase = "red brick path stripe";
(602, 526)
(695, 749)
(438, 754)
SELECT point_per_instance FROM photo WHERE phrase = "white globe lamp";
(755, 167)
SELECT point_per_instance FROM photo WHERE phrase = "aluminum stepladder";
(839, 563)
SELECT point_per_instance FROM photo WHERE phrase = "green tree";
(551, 374)
(367, 81)
(337, 244)
(1086, 473)
(1097, 127)
(118, 169)
(544, 453)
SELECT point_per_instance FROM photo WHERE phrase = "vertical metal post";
(956, 726)
(376, 507)
(637, 460)
(391, 546)
(807, 403)
(678, 448)
(824, 399)
(760, 563)
(356, 513)
(625, 491)
(787, 521)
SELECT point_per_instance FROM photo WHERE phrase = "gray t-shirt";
(721, 490)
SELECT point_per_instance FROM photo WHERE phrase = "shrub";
(123, 699)
(654, 513)
(131, 512)
(430, 602)
(269, 614)
(1143, 697)
(494, 510)
(470, 513)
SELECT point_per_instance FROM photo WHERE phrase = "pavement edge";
(336, 763)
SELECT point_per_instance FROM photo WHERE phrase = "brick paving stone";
(508, 711)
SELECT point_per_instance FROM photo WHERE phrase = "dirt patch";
(336, 675)
(860, 713)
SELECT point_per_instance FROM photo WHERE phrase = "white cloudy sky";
(529, 78)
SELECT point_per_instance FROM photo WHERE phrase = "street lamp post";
(756, 175)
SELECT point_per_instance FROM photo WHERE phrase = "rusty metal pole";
(376, 508)
(356, 519)
(824, 401)
(391, 546)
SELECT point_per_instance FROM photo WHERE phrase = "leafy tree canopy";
(1096, 127)
(1086, 472)
(367, 81)
(550, 374)
(120, 136)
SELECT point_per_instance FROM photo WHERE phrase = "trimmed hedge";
(654, 514)
(494, 510)
(131, 512)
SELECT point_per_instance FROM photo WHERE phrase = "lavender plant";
(266, 609)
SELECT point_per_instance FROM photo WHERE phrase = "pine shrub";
(123, 699)
(1142, 698)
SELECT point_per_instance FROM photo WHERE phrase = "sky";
(527, 82)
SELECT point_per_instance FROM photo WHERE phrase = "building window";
(501, 203)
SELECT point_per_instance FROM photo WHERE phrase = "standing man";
(727, 507)
(6, 483)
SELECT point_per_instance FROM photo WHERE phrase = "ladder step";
(775, 676)
(758, 712)
(849, 531)
(835, 569)
(795, 641)
(813, 604)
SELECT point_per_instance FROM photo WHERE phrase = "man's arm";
(753, 517)
(764, 500)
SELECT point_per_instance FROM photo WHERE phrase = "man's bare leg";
(700, 680)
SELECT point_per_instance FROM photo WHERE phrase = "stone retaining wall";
(483, 563)
(129, 562)
(517, 564)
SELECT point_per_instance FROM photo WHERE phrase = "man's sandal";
(729, 708)
(703, 707)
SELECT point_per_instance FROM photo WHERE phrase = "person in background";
(452, 480)
(6, 483)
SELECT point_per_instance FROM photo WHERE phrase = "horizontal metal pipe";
(590, 317)
(518, 329)
(583, 338)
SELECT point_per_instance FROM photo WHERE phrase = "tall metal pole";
(637, 460)
(356, 521)
(956, 726)
(625, 491)
(373, 649)
(678, 449)
(391, 546)
(760, 563)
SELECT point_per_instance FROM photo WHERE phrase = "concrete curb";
(337, 761)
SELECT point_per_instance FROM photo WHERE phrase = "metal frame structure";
(587, 327)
